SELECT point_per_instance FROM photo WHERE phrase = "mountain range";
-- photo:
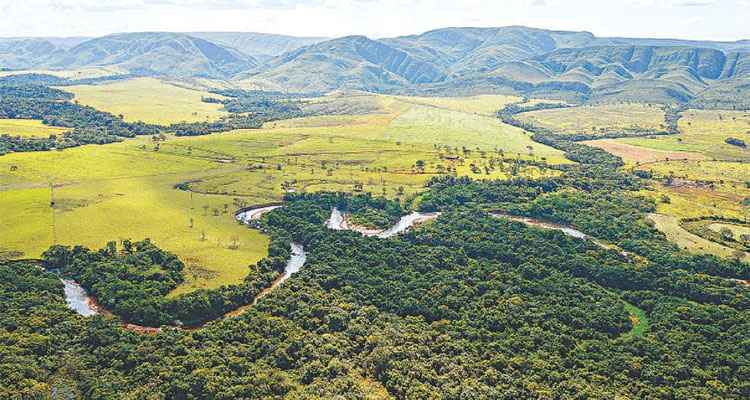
(576, 66)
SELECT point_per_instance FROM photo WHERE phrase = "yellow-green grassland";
(148, 100)
(92, 194)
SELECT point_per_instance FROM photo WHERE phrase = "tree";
(234, 242)
(726, 234)
(420, 165)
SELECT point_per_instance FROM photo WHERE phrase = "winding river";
(295, 263)
(562, 228)
(544, 224)
(339, 222)
(77, 299)
(254, 214)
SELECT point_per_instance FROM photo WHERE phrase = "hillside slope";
(20, 53)
(576, 66)
(258, 45)
(352, 62)
(172, 54)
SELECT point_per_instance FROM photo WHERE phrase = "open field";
(29, 128)
(131, 193)
(698, 189)
(148, 100)
(689, 241)
(698, 173)
(485, 105)
(702, 188)
(737, 230)
(598, 118)
(704, 132)
(714, 171)
(378, 151)
(637, 154)
(432, 126)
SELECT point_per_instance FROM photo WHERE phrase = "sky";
(683, 19)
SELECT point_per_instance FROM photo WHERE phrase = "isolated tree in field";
(419, 165)
(727, 234)
(234, 243)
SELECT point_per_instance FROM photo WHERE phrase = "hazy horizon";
(662, 19)
(740, 39)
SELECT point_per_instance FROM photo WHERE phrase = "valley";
(465, 213)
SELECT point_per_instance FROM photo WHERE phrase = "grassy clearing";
(737, 230)
(149, 100)
(377, 152)
(677, 234)
(704, 132)
(713, 171)
(485, 105)
(638, 155)
(129, 195)
(29, 128)
(599, 118)
(701, 188)
(432, 126)
(639, 320)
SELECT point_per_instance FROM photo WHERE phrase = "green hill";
(172, 54)
(575, 66)
(261, 46)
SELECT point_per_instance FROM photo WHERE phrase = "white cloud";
(375, 18)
